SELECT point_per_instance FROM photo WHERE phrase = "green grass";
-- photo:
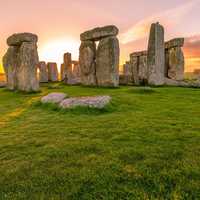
(145, 145)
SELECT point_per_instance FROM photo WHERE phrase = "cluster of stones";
(162, 60)
(70, 70)
(65, 102)
(20, 62)
(99, 66)
(48, 72)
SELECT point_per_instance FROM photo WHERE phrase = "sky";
(58, 24)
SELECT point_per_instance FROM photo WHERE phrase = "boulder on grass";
(91, 102)
(54, 98)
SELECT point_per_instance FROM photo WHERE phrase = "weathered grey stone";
(156, 55)
(171, 82)
(138, 53)
(43, 72)
(176, 42)
(20, 65)
(52, 72)
(63, 72)
(143, 70)
(18, 38)
(27, 68)
(10, 64)
(99, 33)
(76, 71)
(54, 98)
(134, 61)
(176, 64)
(92, 102)
(87, 63)
(107, 62)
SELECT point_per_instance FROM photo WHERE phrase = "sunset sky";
(58, 23)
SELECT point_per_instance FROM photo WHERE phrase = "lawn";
(145, 145)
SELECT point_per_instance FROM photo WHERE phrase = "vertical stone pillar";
(52, 72)
(156, 55)
(107, 62)
(143, 69)
(87, 63)
(43, 72)
(134, 61)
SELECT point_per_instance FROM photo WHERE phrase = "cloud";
(168, 18)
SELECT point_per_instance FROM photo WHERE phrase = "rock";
(176, 42)
(18, 38)
(138, 54)
(107, 62)
(134, 61)
(143, 70)
(176, 64)
(54, 98)
(171, 82)
(99, 33)
(92, 102)
(87, 63)
(52, 72)
(20, 65)
(63, 72)
(27, 68)
(10, 65)
(43, 72)
(156, 55)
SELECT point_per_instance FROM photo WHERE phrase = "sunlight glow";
(53, 51)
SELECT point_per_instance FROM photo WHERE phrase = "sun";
(52, 51)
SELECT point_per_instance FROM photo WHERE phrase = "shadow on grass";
(142, 90)
(79, 110)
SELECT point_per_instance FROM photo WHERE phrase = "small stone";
(18, 38)
(99, 33)
(92, 102)
(54, 98)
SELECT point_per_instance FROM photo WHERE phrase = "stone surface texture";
(54, 98)
(156, 55)
(92, 102)
(52, 72)
(99, 33)
(87, 63)
(107, 62)
(43, 72)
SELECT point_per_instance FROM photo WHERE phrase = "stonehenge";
(162, 62)
(20, 62)
(99, 66)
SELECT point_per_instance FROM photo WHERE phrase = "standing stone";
(52, 72)
(10, 64)
(134, 60)
(143, 70)
(87, 63)
(68, 71)
(107, 62)
(156, 55)
(43, 72)
(63, 72)
(20, 62)
(76, 71)
(176, 64)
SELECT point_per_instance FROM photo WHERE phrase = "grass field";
(145, 145)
